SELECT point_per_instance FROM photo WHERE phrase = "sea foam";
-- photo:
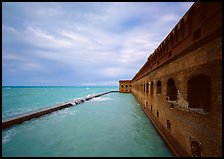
(101, 99)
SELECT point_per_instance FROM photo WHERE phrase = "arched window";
(147, 87)
(157, 113)
(171, 90)
(195, 148)
(151, 88)
(198, 90)
(159, 87)
(168, 124)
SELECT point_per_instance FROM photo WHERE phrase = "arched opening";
(168, 124)
(171, 90)
(198, 90)
(147, 87)
(159, 89)
(195, 148)
(151, 88)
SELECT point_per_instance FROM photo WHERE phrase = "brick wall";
(125, 86)
(186, 112)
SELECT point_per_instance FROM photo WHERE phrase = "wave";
(89, 95)
(8, 135)
(64, 113)
(101, 99)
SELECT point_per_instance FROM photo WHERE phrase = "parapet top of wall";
(125, 81)
(201, 20)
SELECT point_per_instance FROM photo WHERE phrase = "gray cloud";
(92, 43)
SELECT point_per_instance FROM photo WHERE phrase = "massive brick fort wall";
(179, 87)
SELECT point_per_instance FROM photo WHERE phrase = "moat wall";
(179, 87)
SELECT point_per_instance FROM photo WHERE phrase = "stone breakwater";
(35, 114)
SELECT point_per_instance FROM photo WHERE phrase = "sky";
(81, 43)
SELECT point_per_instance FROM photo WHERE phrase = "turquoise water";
(17, 100)
(110, 125)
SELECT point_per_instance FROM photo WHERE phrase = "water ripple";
(8, 135)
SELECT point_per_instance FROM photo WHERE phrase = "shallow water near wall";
(110, 125)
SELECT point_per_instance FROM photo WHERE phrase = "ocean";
(111, 125)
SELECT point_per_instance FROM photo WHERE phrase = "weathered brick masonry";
(125, 86)
(179, 87)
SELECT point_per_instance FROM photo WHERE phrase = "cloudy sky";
(82, 43)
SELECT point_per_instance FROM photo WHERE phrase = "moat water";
(110, 125)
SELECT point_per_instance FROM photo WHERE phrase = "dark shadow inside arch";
(159, 88)
(171, 90)
(199, 88)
